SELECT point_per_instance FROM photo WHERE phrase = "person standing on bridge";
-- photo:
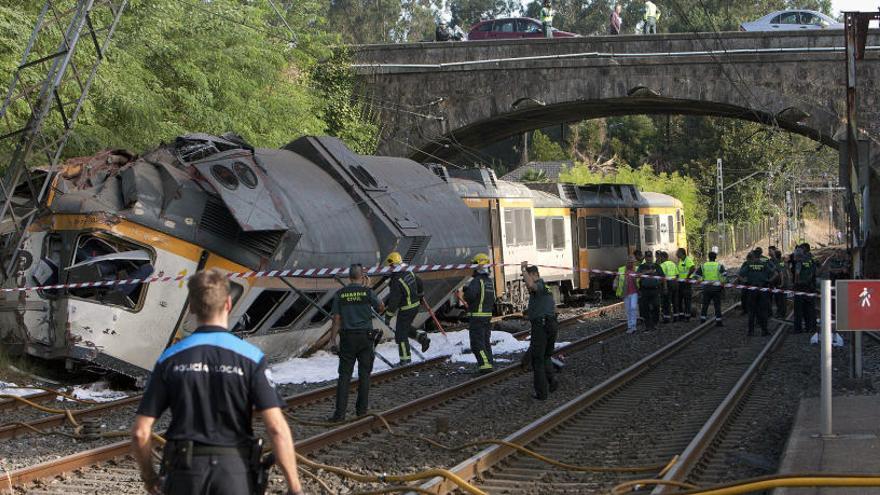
(615, 22)
(547, 14)
(212, 381)
(542, 315)
(652, 15)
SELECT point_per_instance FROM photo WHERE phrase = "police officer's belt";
(357, 330)
(219, 450)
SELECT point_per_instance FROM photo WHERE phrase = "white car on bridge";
(792, 20)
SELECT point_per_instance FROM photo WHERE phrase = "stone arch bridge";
(436, 99)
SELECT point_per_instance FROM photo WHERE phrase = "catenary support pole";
(825, 342)
(857, 355)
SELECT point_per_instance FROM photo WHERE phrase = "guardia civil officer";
(668, 304)
(686, 267)
(804, 278)
(405, 296)
(649, 292)
(744, 293)
(479, 295)
(712, 271)
(352, 311)
(541, 312)
(212, 381)
(758, 273)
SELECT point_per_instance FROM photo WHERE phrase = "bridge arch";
(433, 96)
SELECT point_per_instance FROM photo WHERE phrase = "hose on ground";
(640, 484)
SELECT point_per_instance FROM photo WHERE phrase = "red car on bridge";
(512, 28)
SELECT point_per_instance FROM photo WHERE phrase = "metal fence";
(729, 238)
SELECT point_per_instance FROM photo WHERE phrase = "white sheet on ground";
(322, 366)
(19, 392)
(98, 392)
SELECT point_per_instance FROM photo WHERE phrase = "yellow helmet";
(394, 258)
(481, 259)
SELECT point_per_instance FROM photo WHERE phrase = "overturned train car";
(206, 201)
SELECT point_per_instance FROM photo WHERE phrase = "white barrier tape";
(378, 270)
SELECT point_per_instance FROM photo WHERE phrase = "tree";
(543, 149)
(177, 67)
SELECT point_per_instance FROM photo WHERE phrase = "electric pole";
(719, 200)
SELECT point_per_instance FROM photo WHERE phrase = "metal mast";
(45, 97)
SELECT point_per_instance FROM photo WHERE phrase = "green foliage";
(534, 175)
(178, 66)
(543, 149)
(683, 188)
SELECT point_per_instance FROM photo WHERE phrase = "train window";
(633, 232)
(607, 231)
(558, 227)
(225, 177)
(651, 230)
(299, 307)
(245, 174)
(542, 239)
(582, 233)
(593, 240)
(619, 232)
(263, 306)
(518, 226)
(47, 267)
(671, 226)
(102, 257)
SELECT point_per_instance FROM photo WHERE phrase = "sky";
(861, 5)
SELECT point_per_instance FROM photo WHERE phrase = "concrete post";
(825, 343)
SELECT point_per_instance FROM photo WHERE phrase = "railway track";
(673, 402)
(310, 406)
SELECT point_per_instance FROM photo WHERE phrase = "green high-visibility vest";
(712, 271)
(547, 15)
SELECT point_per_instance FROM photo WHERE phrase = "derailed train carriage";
(207, 201)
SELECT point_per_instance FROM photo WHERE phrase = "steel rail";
(708, 434)
(370, 423)
(473, 467)
(7, 404)
(339, 434)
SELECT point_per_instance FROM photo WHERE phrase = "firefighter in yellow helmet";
(479, 296)
(404, 301)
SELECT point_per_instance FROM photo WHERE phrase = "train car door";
(186, 322)
(581, 257)
(496, 245)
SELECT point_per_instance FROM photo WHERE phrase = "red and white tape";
(379, 270)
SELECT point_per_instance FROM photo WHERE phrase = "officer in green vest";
(804, 281)
(668, 304)
(547, 13)
(479, 296)
(404, 300)
(712, 271)
(686, 267)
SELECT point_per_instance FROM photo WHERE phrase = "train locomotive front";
(215, 202)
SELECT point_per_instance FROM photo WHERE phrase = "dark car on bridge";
(512, 28)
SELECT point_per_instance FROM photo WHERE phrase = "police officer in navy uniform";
(479, 295)
(212, 381)
(541, 312)
(404, 299)
(649, 291)
(758, 272)
(352, 310)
